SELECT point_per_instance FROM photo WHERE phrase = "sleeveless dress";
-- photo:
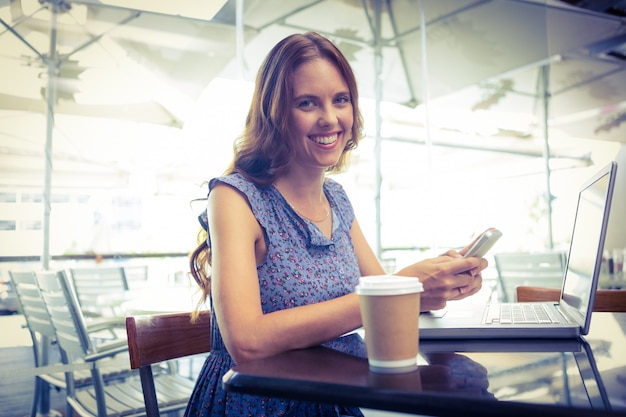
(302, 267)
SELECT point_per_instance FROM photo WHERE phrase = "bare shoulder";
(233, 225)
(230, 208)
(227, 197)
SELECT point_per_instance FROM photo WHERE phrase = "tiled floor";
(16, 389)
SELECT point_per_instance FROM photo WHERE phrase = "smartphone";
(483, 243)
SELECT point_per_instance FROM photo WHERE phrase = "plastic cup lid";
(388, 285)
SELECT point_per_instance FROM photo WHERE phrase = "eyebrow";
(301, 96)
(307, 95)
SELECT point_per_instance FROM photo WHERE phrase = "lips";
(324, 140)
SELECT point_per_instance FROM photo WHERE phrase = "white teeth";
(325, 140)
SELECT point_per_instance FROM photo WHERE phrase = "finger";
(452, 254)
(455, 293)
(468, 290)
(458, 266)
(447, 285)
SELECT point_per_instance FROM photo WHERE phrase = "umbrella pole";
(378, 58)
(545, 83)
(430, 209)
(51, 62)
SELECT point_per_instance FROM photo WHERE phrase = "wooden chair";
(606, 300)
(164, 337)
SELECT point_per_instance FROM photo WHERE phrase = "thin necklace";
(302, 215)
(308, 218)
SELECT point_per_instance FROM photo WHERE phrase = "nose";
(327, 116)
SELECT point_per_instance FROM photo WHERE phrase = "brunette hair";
(264, 150)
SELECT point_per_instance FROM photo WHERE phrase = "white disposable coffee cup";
(390, 308)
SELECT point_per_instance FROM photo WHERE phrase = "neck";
(302, 191)
(308, 200)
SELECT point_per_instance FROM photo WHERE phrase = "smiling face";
(322, 114)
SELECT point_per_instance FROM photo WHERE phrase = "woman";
(286, 250)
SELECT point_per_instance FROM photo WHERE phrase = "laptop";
(570, 317)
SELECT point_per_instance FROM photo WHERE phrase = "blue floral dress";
(302, 267)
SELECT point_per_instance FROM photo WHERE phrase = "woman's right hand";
(446, 277)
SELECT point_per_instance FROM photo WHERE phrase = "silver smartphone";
(484, 242)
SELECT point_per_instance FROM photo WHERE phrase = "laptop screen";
(585, 255)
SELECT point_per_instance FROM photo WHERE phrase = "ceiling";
(128, 79)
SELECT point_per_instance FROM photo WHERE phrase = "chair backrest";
(527, 268)
(64, 313)
(606, 300)
(92, 284)
(32, 304)
(163, 337)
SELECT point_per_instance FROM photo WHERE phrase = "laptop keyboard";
(520, 313)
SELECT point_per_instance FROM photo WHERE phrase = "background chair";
(606, 300)
(120, 397)
(136, 276)
(528, 268)
(42, 334)
(163, 337)
(100, 290)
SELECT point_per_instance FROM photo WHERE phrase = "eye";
(342, 99)
(305, 103)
